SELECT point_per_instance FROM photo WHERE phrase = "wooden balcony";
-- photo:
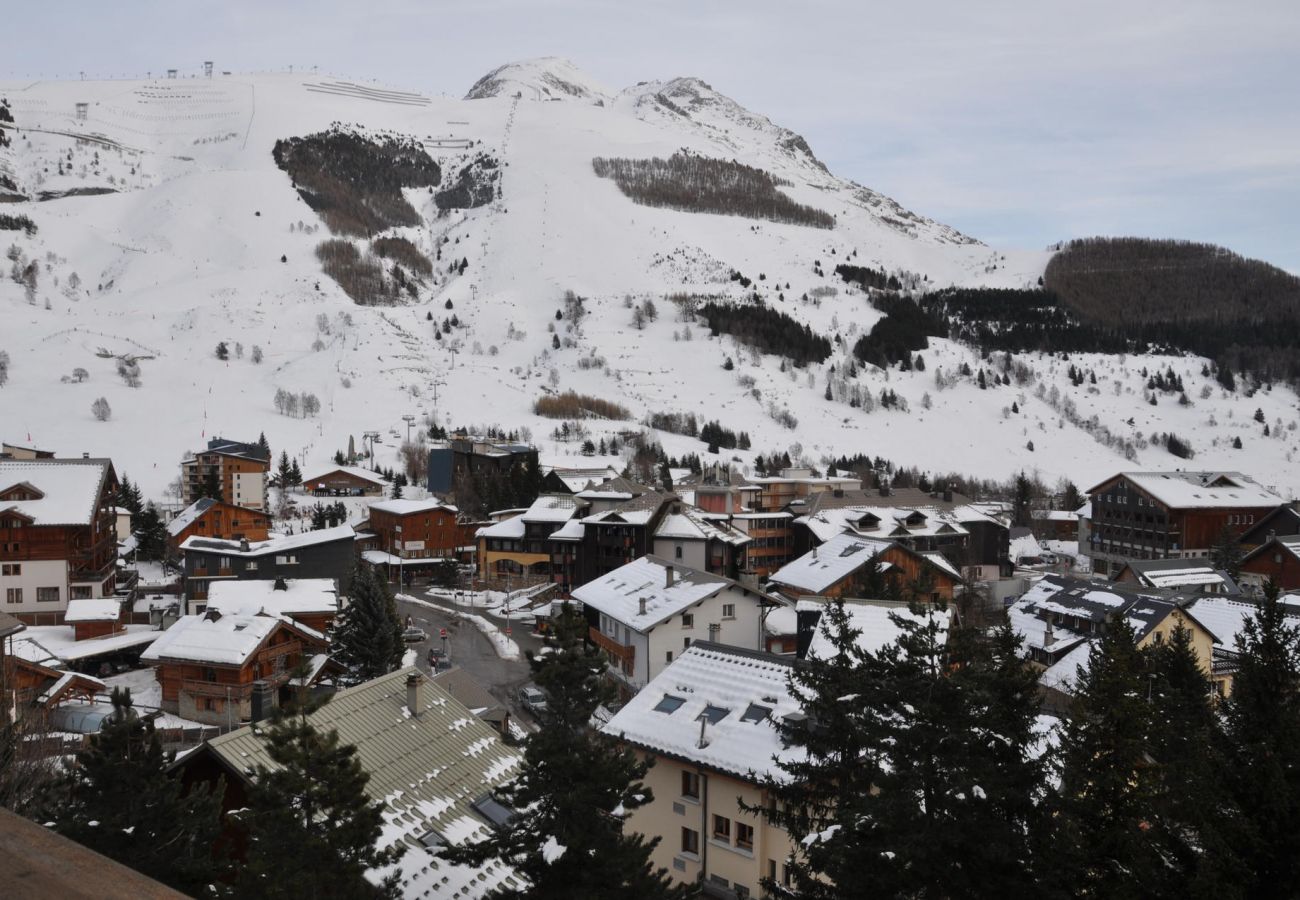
(625, 655)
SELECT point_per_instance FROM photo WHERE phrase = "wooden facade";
(343, 483)
(434, 533)
(226, 521)
(1277, 561)
(242, 471)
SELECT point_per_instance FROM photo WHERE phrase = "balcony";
(620, 653)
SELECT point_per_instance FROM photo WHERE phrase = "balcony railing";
(621, 652)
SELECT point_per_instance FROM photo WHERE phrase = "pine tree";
(1105, 804)
(1195, 813)
(119, 800)
(211, 485)
(128, 497)
(312, 830)
(367, 635)
(262, 443)
(1262, 722)
(1024, 496)
(577, 784)
(283, 472)
(1226, 553)
(151, 536)
(295, 474)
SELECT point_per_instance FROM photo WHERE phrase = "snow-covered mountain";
(170, 228)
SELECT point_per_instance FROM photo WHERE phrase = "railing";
(217, 689)
(621, 652)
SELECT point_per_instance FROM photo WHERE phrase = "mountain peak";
(543, 78)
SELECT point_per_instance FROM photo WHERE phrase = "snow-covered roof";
(644, 584)
(571, 530)
(278, 544)
(354, 471)
(1225, 616)
(738, 693)
(53, 645)
(189, 515)
(410, 507)
(882, 521)
(1065, 673)
(823, 566)
(249, 597)
(553, 508)
(875, 621)
(689, 524)
(506, 528)
(100, 609)
(1098, 603)
(1024, 546)
(221, 639)
(67, 490)
(1032, 630)
(429, 770)
(782, 620)
(1201, 490)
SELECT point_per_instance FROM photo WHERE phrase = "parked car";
(532, 698)
(436, 654)
(414, 635)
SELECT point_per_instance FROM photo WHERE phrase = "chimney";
(1272, 535)
(947, 494)
(884, 487)
(1048, 637)
(85, 455)
(641, 602)
(261, 701)
(814, 551)
(715, 630)
(414, 693)
(243, 545)
(668, 576)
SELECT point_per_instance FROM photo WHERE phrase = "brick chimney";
(668, 576)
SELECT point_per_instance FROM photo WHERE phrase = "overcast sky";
(1019, 123)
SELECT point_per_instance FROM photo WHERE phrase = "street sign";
(442, 632)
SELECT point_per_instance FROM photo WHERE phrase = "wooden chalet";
(211, 518)
(851, 566)
(345, 481)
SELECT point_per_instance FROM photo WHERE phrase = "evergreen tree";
(211, 485)
(119, 801)
(1226, 553)
(151, 536)
(576, 784)
(367, 635)
(262, 443)
(398, 482)
(128, 497)
(1104, 807)
(1071, 499)
(1024, 496)
(283, 471)
(1195, 813)
(1262, 722)
(295, 474)
(312, 830)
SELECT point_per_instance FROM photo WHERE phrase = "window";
(286, 560)
(742, 892)
(690, 841)
(209, 704)
(668, 656)
(744, 836)
(250, 566)
(669, 704)
(81, 592)
(721, 829)
(691, 785)
(771, 870)
(496, 813)
(688, 620)
(47, 595)
(209, 674)
(11, 569)
(686, 643)
(714, 714)
(677, 551)
(223, 562)
(13, 595)
(728, 610)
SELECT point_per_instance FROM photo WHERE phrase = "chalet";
(34, 688)
(345, 481)
(464, 456)
(327, 553)
(709, 723)
(238, 472)
(696, 539)
(560, 480)
(621, 534)
(1059, 618)
(58, 538)
(207, 665)
(1281, 522)
(429, 761)
(777, 492)
(211, 518)
(1187, 576)
(313, 602)
(14, 451)
(852, 566)
(539, 544)
(1169, 515)
(647, 612)
(419, 533)
(92, 618)
(611, 493)
(1277, 560)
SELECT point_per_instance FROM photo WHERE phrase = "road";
(469, 649)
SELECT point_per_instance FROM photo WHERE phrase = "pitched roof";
(1099, 603)
(620, 594)
(250, 596)
(882, 521)
(1289, 544)
(738, 693)
(429, 770)
(189, 515)
(1178, 573)
(636, 511)
(227, 640)
(354, 471)
(1199, 490)
(824, 566)
(410, 507)
(690, 524)
(874, 620)
(99, 609)
(278, 544)
(69, 489)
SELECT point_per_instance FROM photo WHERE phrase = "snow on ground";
(146, 695)
(188, 251)
(504, 646)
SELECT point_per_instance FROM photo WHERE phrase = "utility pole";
(409, 420)
(436, 385)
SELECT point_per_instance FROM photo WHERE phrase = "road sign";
(442, 632)
(507, 631)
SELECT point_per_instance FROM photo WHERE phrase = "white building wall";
(740, 630)
(694, 553)
(250, 489)
(33, 575)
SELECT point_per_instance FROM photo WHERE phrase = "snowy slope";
(187, 253)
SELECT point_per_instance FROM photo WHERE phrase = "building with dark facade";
(328, 553)
(466, 455)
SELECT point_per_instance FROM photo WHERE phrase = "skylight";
(496, 813)
(755, 713)
(714, 714)
(669, 704)
(433, 840)
(851, 549)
